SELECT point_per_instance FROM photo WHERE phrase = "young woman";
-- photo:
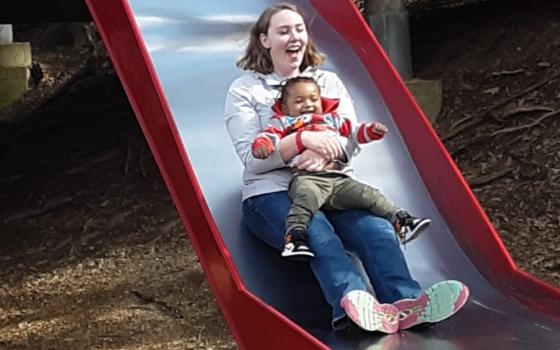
(280, 48)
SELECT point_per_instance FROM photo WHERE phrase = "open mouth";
(293, 51)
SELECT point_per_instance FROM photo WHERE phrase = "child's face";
(302, 98)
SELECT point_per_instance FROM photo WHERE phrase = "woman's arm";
(311, 161)
(325, 143)
(288, 147)
(243, 125)
(333, 87)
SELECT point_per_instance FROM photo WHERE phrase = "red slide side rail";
(254, 324)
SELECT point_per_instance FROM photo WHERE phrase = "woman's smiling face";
(287, 41)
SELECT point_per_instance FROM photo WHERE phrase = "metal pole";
(6, 36)
(388, 20)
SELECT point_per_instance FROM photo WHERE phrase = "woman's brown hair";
(258, 58)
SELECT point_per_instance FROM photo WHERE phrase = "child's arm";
(370, 132)
(263, 146)
(268, 140)
(362, 132)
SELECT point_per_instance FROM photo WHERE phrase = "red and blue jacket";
(281, 125)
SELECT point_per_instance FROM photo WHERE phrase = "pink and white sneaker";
(440, 301)
(365, 311)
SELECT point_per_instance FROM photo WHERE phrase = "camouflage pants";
(332, 191)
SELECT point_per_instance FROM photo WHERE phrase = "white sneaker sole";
(438, 303)
(366, 312)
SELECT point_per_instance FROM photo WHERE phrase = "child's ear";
(284, 108)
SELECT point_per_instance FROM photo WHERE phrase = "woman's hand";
(325, 143)
(311, 161)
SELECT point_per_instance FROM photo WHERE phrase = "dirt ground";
(93, 255)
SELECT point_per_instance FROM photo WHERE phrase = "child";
(301, 108)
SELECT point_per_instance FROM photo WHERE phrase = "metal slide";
(176, 59)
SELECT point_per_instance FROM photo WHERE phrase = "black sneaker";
(408, 227)
(296, 246)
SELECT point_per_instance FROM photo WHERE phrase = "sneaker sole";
(302, 255)
(362, 308)
(419, 229)
(438, 303)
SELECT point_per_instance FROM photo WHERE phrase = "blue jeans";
(371, 238)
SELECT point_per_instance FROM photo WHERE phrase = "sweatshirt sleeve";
(336, 89)
(274, 132)
(243, 126)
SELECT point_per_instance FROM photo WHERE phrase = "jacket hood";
(330, 105)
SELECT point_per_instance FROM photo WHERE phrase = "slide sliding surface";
(176, 59)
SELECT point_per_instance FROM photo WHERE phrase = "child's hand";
(379, 128)
(262, 148)
(261, 152)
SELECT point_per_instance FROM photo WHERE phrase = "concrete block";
(15, 55)
(11, 73)
(13, 84)
(428, 95)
